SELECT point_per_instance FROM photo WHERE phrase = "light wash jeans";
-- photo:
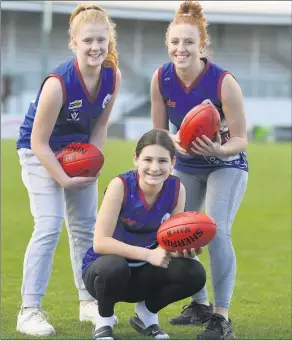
(50, 204)
(221, 192)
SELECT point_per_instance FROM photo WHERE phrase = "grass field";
(261, 306)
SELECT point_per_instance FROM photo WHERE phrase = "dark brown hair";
(191, 12)
(89, 13)
(156, 136)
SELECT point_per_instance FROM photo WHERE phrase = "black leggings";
(110, 279)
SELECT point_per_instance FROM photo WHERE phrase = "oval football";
(81, 159)
(203, 119)
(185, 231)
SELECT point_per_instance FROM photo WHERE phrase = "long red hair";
(191, 12)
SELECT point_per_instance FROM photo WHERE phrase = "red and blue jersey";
(138, 222)
(179, 100)
(79, 111)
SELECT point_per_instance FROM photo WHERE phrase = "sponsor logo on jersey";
(128, 222)
(170, 103)
(76, 104)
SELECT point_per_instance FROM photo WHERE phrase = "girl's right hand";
(177, 143)
(78, 182)
(191, 253)
(159, 257)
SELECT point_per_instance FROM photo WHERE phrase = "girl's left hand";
(191, 253)
(206, 147)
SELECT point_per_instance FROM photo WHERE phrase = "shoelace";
(201, 312)
(93, 303)
(38, 314)
(188, 306)
(214, 323)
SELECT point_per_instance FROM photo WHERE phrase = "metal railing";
(24, 88)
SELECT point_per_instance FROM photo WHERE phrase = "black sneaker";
(105, 332)
(194, 313)
(153, 331)
(217, 329)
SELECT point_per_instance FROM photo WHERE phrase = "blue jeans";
(50, 204)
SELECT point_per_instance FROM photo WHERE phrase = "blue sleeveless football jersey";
(79, 111)
(138, 223)
(179, 100)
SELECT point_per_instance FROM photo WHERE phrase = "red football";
(81, 159)
(203, 119)
(186, 231)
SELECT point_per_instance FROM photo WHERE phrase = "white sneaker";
(89, 312)
(34, 322)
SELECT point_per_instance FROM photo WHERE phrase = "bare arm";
(49, 106)
(233, 108)
(99, 132)
(158, 111)
(232, 105)
(181, 201)
(106, 223)
(180, 207)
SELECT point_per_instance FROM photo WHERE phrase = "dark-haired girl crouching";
(125, 263)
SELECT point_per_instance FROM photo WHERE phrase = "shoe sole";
(229, 337)
(187, 323)
(141, 330)
(36, 334)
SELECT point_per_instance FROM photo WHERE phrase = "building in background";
(252, 40)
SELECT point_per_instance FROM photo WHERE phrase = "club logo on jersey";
(165, 217)
(223, 128)
(106, 100)
(76, 104)
(73, 116)
(207, 101)
(170, 103)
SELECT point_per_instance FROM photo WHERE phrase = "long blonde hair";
(191, 12)
(89, 13)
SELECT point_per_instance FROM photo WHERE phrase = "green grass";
(261, 305)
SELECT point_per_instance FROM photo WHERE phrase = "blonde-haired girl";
(73, 105)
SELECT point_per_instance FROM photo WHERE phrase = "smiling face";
(91, 43)
(184, 45)
(154, 165)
